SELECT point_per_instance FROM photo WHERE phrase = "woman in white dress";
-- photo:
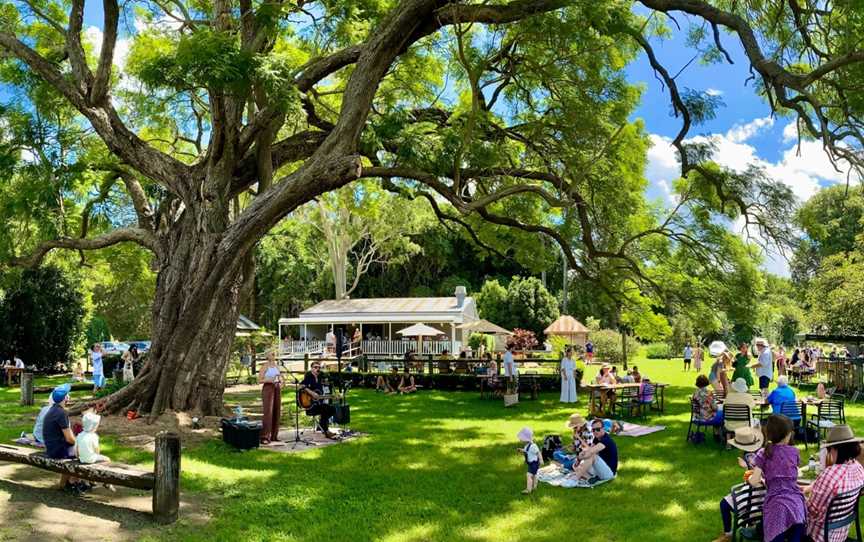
(568, 378)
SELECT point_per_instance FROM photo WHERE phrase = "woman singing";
(271, 396)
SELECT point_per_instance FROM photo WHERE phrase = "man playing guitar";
(313, 386)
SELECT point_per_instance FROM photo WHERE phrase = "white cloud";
(714, 92)
(662, 167)
(790, 132)
(742, 132)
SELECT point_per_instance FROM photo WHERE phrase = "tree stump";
(27, 389)
(166, 493)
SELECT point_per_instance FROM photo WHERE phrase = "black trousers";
(325, 412)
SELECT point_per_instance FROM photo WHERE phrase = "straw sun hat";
(740, 385)
(525, 435)
(576, 420)
(748, 439)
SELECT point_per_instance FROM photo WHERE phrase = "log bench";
(163, 481)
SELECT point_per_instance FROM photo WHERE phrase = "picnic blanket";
(555, 475)
(636, 430)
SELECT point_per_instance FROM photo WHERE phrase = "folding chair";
(627, 399)
(747, 504)
(697, 424)
(648, 398)
(830, 412)
(842, 512)
(794, 410)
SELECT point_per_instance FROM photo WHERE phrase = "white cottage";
(379, 320)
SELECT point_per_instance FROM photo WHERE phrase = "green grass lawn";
(443, 466)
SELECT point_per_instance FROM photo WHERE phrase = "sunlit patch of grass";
(442, 466)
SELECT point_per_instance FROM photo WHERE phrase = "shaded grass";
(443, 466)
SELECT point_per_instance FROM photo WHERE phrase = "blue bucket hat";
(60, 392)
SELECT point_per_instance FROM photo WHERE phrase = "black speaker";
(241, 434)
(341, 414)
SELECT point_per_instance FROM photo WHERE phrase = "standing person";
(688, 355)
(717, 375)
(129, 358)
(776, 467)
(96, 363)
(19, 363)
(742, 365)
(510, 370)
(842, 473)
(533, 458)
(781, 361)
(697, 358)
(589, 351)
(270, 379)
(59, 440)
(313, 385)
(764, 365)
(330, 340)
(568, 378)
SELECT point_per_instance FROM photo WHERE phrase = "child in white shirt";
(87, 442)
(533, 458)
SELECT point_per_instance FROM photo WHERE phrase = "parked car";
(114, 348)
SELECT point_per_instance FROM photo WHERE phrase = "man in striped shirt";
(843, 473)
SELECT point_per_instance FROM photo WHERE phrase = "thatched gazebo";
(570, 328)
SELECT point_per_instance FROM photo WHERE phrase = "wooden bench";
(164, 481)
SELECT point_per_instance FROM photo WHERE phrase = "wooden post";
(306, 362)
(26, 389)
(166, 493)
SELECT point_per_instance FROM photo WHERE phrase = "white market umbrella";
(420, 331)
(485, 326)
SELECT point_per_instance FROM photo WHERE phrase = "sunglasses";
(596, 429)
(316, 366)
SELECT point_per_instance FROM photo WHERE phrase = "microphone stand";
(297, 439)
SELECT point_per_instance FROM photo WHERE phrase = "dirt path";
(32, 509)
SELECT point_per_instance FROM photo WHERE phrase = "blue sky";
(744, 130)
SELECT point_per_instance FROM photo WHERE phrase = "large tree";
(247, 110)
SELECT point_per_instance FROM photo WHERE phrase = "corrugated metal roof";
(406, 305)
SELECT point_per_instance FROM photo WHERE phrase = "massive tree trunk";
(193, 326)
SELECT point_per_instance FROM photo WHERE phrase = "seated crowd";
(792, 510)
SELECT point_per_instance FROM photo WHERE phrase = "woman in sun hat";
(739, 395)
(748, 440)
(843, 473)
(533, 458)
(717, 375)
(582, 438)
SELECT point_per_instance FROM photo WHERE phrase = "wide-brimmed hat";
(759, 341)
(748, 439)
(525, 435)
(605, 366)
(576, 420)
(740, 385)
(840, 434)
(716, 348)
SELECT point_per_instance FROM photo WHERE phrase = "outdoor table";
(11, 372)
(594, 389)
(531, 379)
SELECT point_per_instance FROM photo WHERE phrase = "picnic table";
(594, 391)
(11, 372)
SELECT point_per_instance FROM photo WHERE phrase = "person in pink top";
(842, 473)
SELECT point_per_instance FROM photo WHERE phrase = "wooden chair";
(842, 512)
(747, 504)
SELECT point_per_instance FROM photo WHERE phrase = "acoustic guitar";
(307, 401)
